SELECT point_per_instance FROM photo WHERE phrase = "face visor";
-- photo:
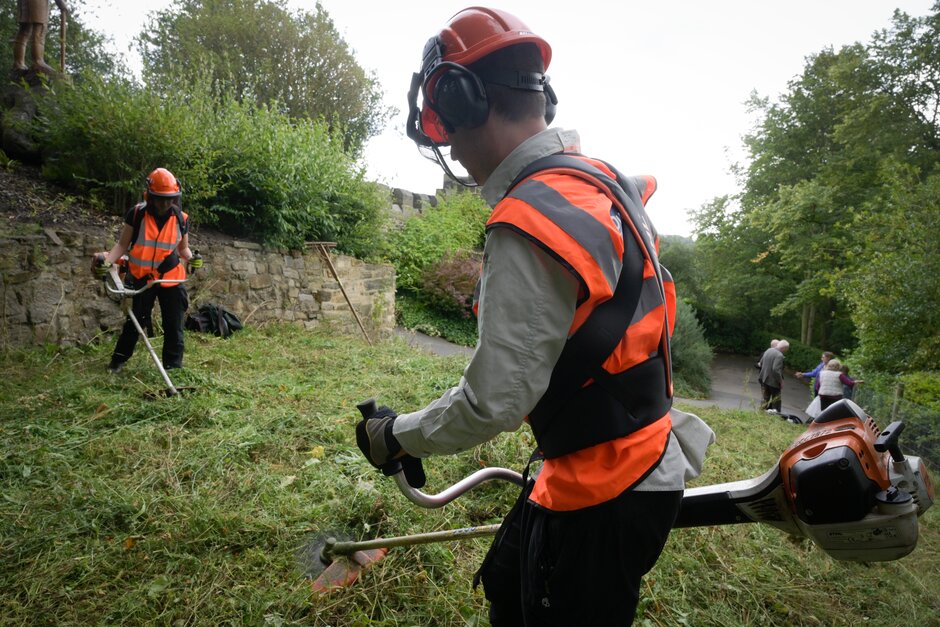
(425, 126)
(428, 125)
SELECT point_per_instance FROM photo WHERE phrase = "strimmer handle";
(412, 466)
(367, 408)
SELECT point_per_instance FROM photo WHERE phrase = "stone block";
(243, 267)
(13, 311)
(53, 236)
(377, 285)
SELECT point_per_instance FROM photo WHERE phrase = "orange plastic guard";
(344, 570)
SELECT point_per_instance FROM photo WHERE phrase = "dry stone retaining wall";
(47, 294)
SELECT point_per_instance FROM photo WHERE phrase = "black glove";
(377, 442)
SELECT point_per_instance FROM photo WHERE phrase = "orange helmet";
(468, 36)
(161, 182)
(476, 32)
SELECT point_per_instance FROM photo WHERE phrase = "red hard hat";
(470, 35)
(161, 182)
(476, 32)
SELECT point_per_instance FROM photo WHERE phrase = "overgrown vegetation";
(249, 169)
(262, 52)
(691, 355)
(123, 508)
(455, 225)
(412, 313)
(260, 111)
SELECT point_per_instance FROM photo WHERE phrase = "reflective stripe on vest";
(570, 218)
(153, 245)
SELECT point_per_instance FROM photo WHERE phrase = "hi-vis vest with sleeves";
(603, 424)
(153, 247)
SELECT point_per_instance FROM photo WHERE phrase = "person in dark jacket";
(771, 375)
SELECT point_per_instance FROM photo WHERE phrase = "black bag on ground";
(212, 318)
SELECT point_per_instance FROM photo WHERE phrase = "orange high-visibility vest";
(569, 216)
(154, 245)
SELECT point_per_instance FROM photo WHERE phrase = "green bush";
(249, 169)
(923, 388)
(731, 334)
(449, 284)
(691, 354)
(801, 357)
(456, 224)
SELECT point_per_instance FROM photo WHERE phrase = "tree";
(836, 207)
(806, 177)
(895, 290)
(259, 51)
(679, 255)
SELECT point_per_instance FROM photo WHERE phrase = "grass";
(118, 507)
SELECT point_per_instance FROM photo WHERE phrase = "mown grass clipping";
(121, 506)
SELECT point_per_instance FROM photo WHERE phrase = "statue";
(33, 17)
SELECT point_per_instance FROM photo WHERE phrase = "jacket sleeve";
(526, 306)
(812, 374)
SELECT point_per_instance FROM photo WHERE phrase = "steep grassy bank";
(116, 507)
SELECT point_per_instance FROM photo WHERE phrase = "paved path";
(735, 386)
(734, 378)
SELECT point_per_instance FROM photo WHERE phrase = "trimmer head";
(338, 571)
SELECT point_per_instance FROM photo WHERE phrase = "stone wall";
(47, 294)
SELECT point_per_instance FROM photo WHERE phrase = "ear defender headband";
(455, 97)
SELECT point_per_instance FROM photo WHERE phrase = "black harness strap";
(629, 400)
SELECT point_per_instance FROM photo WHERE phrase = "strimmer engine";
(843, 483)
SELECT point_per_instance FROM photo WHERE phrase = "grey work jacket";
(526, 307)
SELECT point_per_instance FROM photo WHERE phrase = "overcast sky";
(653, 87)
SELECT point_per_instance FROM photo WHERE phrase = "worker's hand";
(99, 265)
(195, 262)
(798, 375)
(375, 439)
(380, 446)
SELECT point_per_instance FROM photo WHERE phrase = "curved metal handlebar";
(121, 290)
(368, 408)
(431, 501)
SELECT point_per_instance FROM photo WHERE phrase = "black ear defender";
(460, 94)
(460, 98)
(551, 102)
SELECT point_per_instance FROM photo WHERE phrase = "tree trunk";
(809, 316)
(825, 329)
(806, 328)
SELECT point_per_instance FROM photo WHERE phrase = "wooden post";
(324, 249)
(62, 27)
(896, 405)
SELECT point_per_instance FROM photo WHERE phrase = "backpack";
(213, 319)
